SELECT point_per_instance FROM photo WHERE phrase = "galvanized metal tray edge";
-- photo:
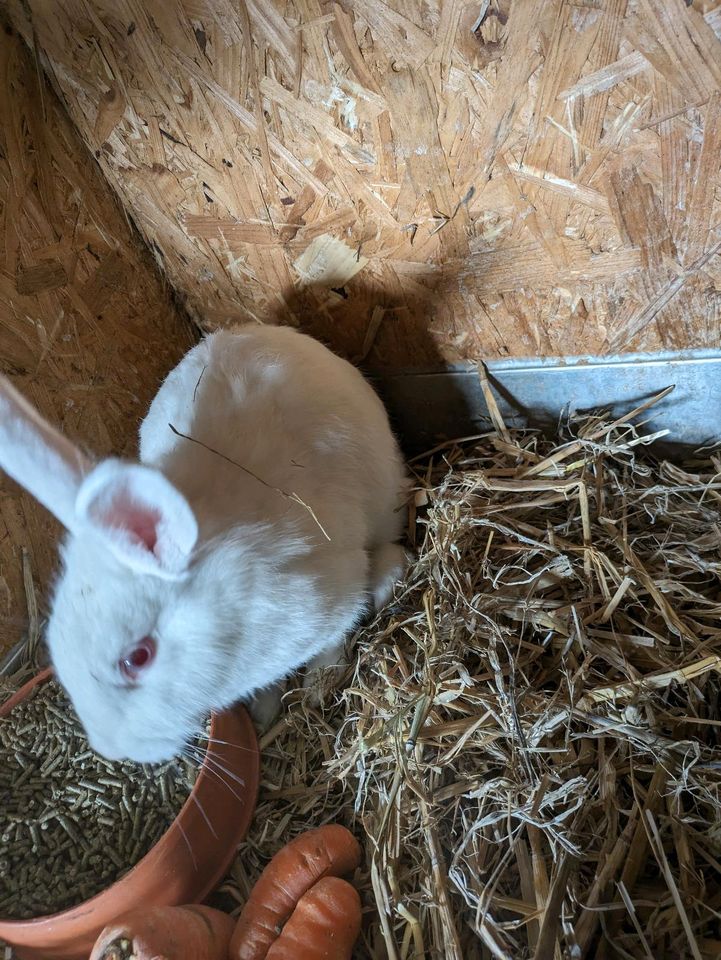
(430, 405)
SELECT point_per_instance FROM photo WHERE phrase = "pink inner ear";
(137, 520)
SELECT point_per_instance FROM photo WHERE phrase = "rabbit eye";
(140, 657)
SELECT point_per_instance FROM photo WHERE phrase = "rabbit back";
(277, 419)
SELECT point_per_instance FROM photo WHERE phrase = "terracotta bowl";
(168, 874)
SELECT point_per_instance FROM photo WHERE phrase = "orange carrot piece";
(324, 925)
(166, 933)
(326, 851)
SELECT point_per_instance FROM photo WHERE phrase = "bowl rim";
(156, 851)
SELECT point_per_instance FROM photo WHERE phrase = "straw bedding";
(529, 737)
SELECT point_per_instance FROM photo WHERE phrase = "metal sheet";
(428, 406)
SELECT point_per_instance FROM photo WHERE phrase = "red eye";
(140, 657)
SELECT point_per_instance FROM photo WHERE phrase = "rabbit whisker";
(226, 743)
(187, 843)
(221, 766)
(204, 815)
(205, 760)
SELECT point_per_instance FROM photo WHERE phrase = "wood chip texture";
(530, 178)
(87, 328)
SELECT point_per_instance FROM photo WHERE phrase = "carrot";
(324, 925)
(326, 851)
(166, 933)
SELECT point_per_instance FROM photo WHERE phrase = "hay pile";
(530, 734)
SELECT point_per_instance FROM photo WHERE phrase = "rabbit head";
(122, 606)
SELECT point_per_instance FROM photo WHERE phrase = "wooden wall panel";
(87, 327)
(413, 180)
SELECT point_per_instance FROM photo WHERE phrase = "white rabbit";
(213, 569)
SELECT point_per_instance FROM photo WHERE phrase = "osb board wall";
(87, 329)
(527, 177)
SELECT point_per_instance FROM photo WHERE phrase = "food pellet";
(72, 823)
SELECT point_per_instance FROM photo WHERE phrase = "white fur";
(114, 492)
(38, 456)
(265, 589)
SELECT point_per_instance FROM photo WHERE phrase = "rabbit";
(259, 526)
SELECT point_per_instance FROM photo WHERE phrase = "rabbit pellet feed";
(71, 823)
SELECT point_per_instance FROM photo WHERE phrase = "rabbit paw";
(324, 673)
(388, 564)
(265, 706)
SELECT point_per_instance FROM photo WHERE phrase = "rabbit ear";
(141, 517)
(38, 456)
